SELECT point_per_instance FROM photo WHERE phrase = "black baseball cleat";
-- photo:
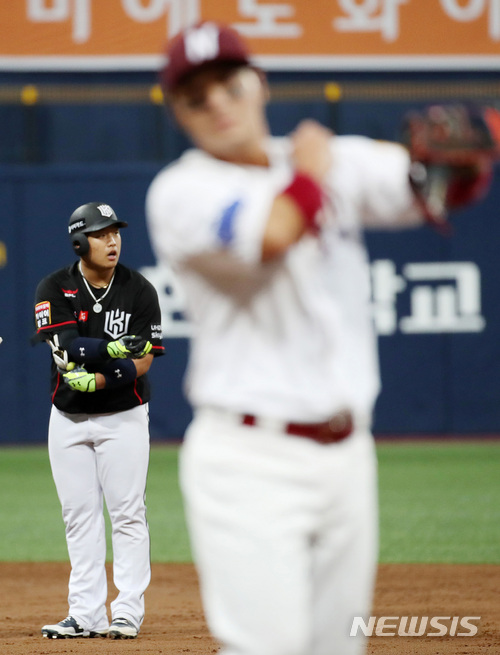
(121, 628)
(68, 629)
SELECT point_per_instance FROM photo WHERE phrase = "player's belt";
(339, 427)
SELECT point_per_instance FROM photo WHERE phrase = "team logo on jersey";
(105, 210)
(69, 293)
(116, 323)
(83, 317)
(43, 314)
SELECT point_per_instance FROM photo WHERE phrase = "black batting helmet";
(91, 217)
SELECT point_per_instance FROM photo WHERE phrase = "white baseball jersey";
(292, 338)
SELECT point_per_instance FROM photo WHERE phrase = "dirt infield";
(33, 594)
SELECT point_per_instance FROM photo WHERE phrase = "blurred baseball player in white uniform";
(278, 466)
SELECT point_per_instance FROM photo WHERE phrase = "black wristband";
(88, 350)
(119, 372)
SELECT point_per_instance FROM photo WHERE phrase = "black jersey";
(129, 307)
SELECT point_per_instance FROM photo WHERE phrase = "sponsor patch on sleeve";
(156, 332)
(43, 314)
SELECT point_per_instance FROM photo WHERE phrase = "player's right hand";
(79, 379)
(311, 149)
(60, 356)
(129, 347)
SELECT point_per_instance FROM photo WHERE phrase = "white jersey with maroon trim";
(292, 338)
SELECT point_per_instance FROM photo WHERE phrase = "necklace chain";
(97, 307)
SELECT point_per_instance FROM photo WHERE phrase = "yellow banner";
(61, 34)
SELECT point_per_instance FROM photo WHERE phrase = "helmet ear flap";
(80, 243)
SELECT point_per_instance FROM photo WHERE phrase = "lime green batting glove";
(129, 347)
(80, 380)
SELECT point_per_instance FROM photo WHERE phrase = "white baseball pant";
(96, 456)
(284, 532)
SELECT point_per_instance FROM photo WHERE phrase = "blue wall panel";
(11, 298)
(433, 383)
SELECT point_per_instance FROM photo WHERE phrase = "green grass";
(169, 539)
(439, 503)
(30, 513)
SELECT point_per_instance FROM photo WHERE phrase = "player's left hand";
(79, 379)
(453, 149)
(129, 347)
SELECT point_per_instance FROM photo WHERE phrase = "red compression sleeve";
(307, 194)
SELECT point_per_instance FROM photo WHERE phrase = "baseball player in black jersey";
(103, 324)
